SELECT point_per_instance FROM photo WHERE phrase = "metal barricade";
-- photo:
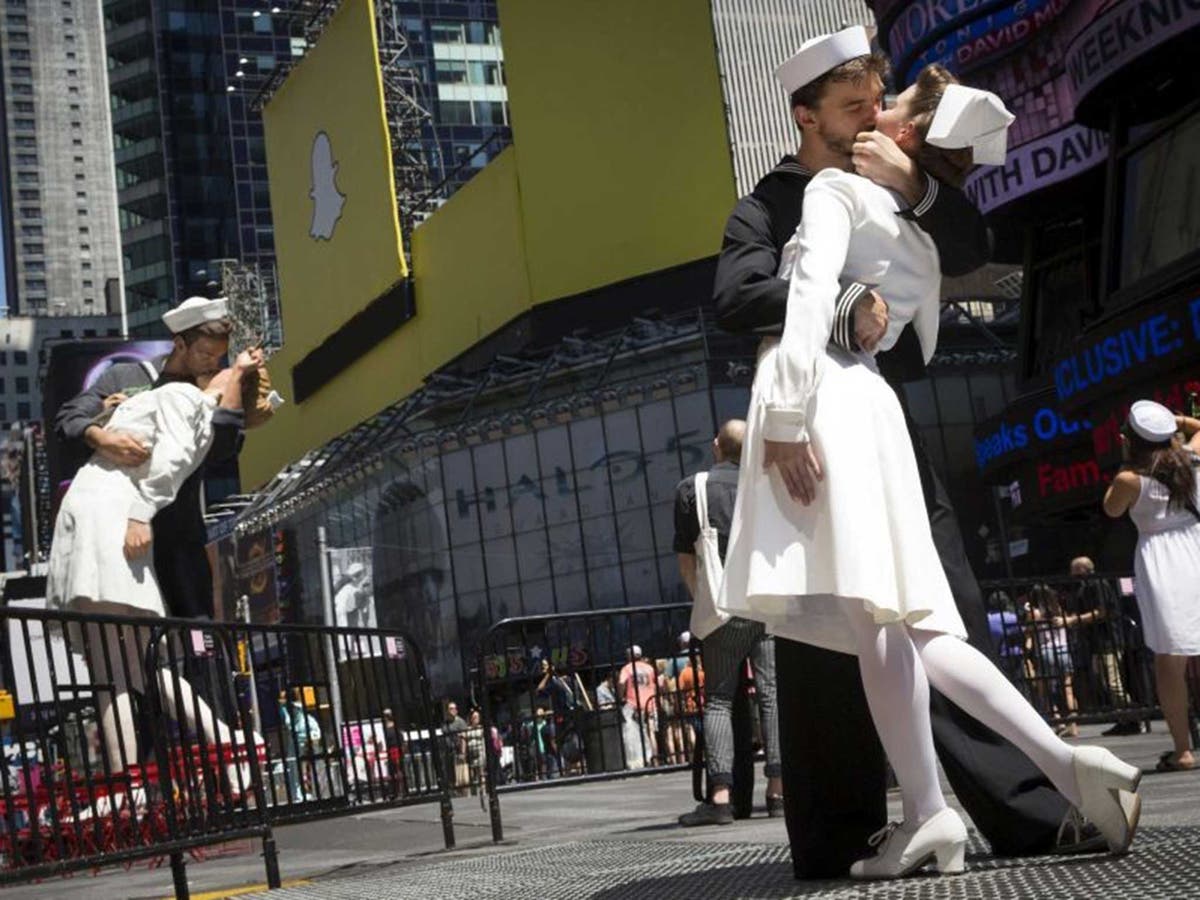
(93, 776)
(134, 738)
(1074, 646)
(588, 696)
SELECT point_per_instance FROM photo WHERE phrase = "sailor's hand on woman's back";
(798, 467)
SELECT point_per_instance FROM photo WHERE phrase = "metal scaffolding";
(417, 165)
(418, 170)
(253, 303)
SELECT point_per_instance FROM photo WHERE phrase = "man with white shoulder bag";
(703, 512)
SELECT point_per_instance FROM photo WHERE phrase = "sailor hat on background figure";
(196, 311)
(969, 117)
(818, 55)
(1152, 421)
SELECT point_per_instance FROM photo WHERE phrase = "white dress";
(87, 559)
(866, 537)
(1167, 566)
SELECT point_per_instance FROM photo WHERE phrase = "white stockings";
(898, 665)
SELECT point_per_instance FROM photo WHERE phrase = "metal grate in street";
(1165, 864)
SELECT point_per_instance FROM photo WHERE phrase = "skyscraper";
(62, 256)
(187, 154)
(190, 161)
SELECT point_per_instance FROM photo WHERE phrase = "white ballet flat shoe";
(1107, 788)
(903, 848)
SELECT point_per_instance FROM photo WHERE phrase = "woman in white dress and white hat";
(1157, 487)
(830, 542)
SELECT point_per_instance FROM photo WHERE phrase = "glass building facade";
(456, 48)
(188, 140)
(546, 484)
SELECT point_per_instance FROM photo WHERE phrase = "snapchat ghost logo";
(327, 199)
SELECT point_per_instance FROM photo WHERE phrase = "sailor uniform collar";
(791, 166)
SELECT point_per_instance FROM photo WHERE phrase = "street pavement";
(619, 840)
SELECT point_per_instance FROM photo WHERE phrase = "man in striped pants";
(701, 531)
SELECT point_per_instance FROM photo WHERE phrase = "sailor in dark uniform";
(833, 766)
(201, 328)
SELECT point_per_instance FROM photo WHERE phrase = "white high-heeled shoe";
(1107, 789)
(903, 848)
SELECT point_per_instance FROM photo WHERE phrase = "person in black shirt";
(726, 648)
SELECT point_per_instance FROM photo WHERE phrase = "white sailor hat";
(969, 117)
(195, 311)
(1152, 421)
(818, 55)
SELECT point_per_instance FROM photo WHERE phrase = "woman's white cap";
(818, 55)
(1152, 421)
(969, 117)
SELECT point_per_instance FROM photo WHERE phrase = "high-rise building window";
(20, 358)
(22, 384)
(23, 412)
(447, 33)
(455, 112)
(35, 284)
(450, 71)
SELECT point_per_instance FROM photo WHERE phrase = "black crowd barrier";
(587, 696)
(1075, 648)
(127, 739)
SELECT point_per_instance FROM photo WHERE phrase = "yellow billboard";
(333, 198)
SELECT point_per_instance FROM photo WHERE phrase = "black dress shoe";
(1077, 835)
(708, 814)
(1129, 727)
(775, 807)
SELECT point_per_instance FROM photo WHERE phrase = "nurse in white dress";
(830, 542)
(1158, 488)
(100, 560)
